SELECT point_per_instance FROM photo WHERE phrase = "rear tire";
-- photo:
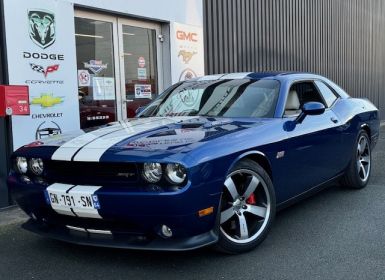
(247, 208)
(358, 172)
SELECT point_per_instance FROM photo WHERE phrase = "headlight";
(36, 165)
(21, 165)
(152, 172)
(176, 173)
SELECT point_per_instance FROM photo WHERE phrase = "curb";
(8, 208)
(12, 215)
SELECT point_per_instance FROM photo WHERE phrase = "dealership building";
(84, 63)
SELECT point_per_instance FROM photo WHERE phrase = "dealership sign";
(41, 54)
(96, 66)
(42, 27)
(187, 56)
(44, 70)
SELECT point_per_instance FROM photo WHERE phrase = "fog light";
(25, 179)
(166, 231)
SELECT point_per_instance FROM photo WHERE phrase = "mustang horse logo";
(186, 55)
(42, 27)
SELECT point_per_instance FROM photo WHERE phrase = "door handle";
(333, 119)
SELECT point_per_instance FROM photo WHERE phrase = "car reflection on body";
(208, 162)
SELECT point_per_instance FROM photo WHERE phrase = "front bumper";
(82, 236)
(131, 219)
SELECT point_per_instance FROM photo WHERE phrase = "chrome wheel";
(246, 206)
(363, 158)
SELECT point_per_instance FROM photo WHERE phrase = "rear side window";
(327, 93)
(299, 94)
(307, 92)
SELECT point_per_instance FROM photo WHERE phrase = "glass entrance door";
(96, 71)
(140, 62)
(119, 66)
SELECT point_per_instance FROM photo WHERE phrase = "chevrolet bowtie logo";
(46, 100)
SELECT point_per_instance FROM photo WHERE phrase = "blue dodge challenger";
(208, 162)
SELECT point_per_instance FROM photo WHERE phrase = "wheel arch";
(257, 157)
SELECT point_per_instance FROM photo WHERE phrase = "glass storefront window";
(96, 71)
(140, 67)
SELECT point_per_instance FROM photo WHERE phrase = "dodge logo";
(42, 27)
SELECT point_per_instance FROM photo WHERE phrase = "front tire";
(247, 208)
(358, 172)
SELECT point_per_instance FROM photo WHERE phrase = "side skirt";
(309, 192)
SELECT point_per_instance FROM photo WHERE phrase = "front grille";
(91, 173)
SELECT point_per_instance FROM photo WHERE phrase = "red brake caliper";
(251, 200)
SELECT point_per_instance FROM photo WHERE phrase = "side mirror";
(311, 109)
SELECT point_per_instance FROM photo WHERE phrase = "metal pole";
(4, 161)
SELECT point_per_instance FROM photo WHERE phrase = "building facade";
(340, 39)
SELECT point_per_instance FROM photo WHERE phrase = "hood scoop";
(192, 125)
(211, 124)
(204, 122)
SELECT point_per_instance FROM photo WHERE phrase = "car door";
(311, 146)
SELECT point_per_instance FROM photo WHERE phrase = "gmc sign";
(186, 36)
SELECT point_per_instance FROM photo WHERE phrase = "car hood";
(154, 135)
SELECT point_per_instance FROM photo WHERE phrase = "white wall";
(59, 84)
(182, 11)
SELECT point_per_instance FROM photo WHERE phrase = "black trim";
(101, 11)
(3, 49)
(309, 192)
(6, 145)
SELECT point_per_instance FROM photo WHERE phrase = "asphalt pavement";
(336, 234)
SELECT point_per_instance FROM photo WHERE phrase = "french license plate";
(85, 201)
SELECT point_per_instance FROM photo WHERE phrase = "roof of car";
(280, 76)
(251, 75)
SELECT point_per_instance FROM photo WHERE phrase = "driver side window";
(299, 94)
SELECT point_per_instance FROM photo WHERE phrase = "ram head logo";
(42, 27)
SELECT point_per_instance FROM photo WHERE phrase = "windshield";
(219, 98)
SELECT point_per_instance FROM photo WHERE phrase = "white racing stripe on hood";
(93, 151)
(90, 146)
(68, 149)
